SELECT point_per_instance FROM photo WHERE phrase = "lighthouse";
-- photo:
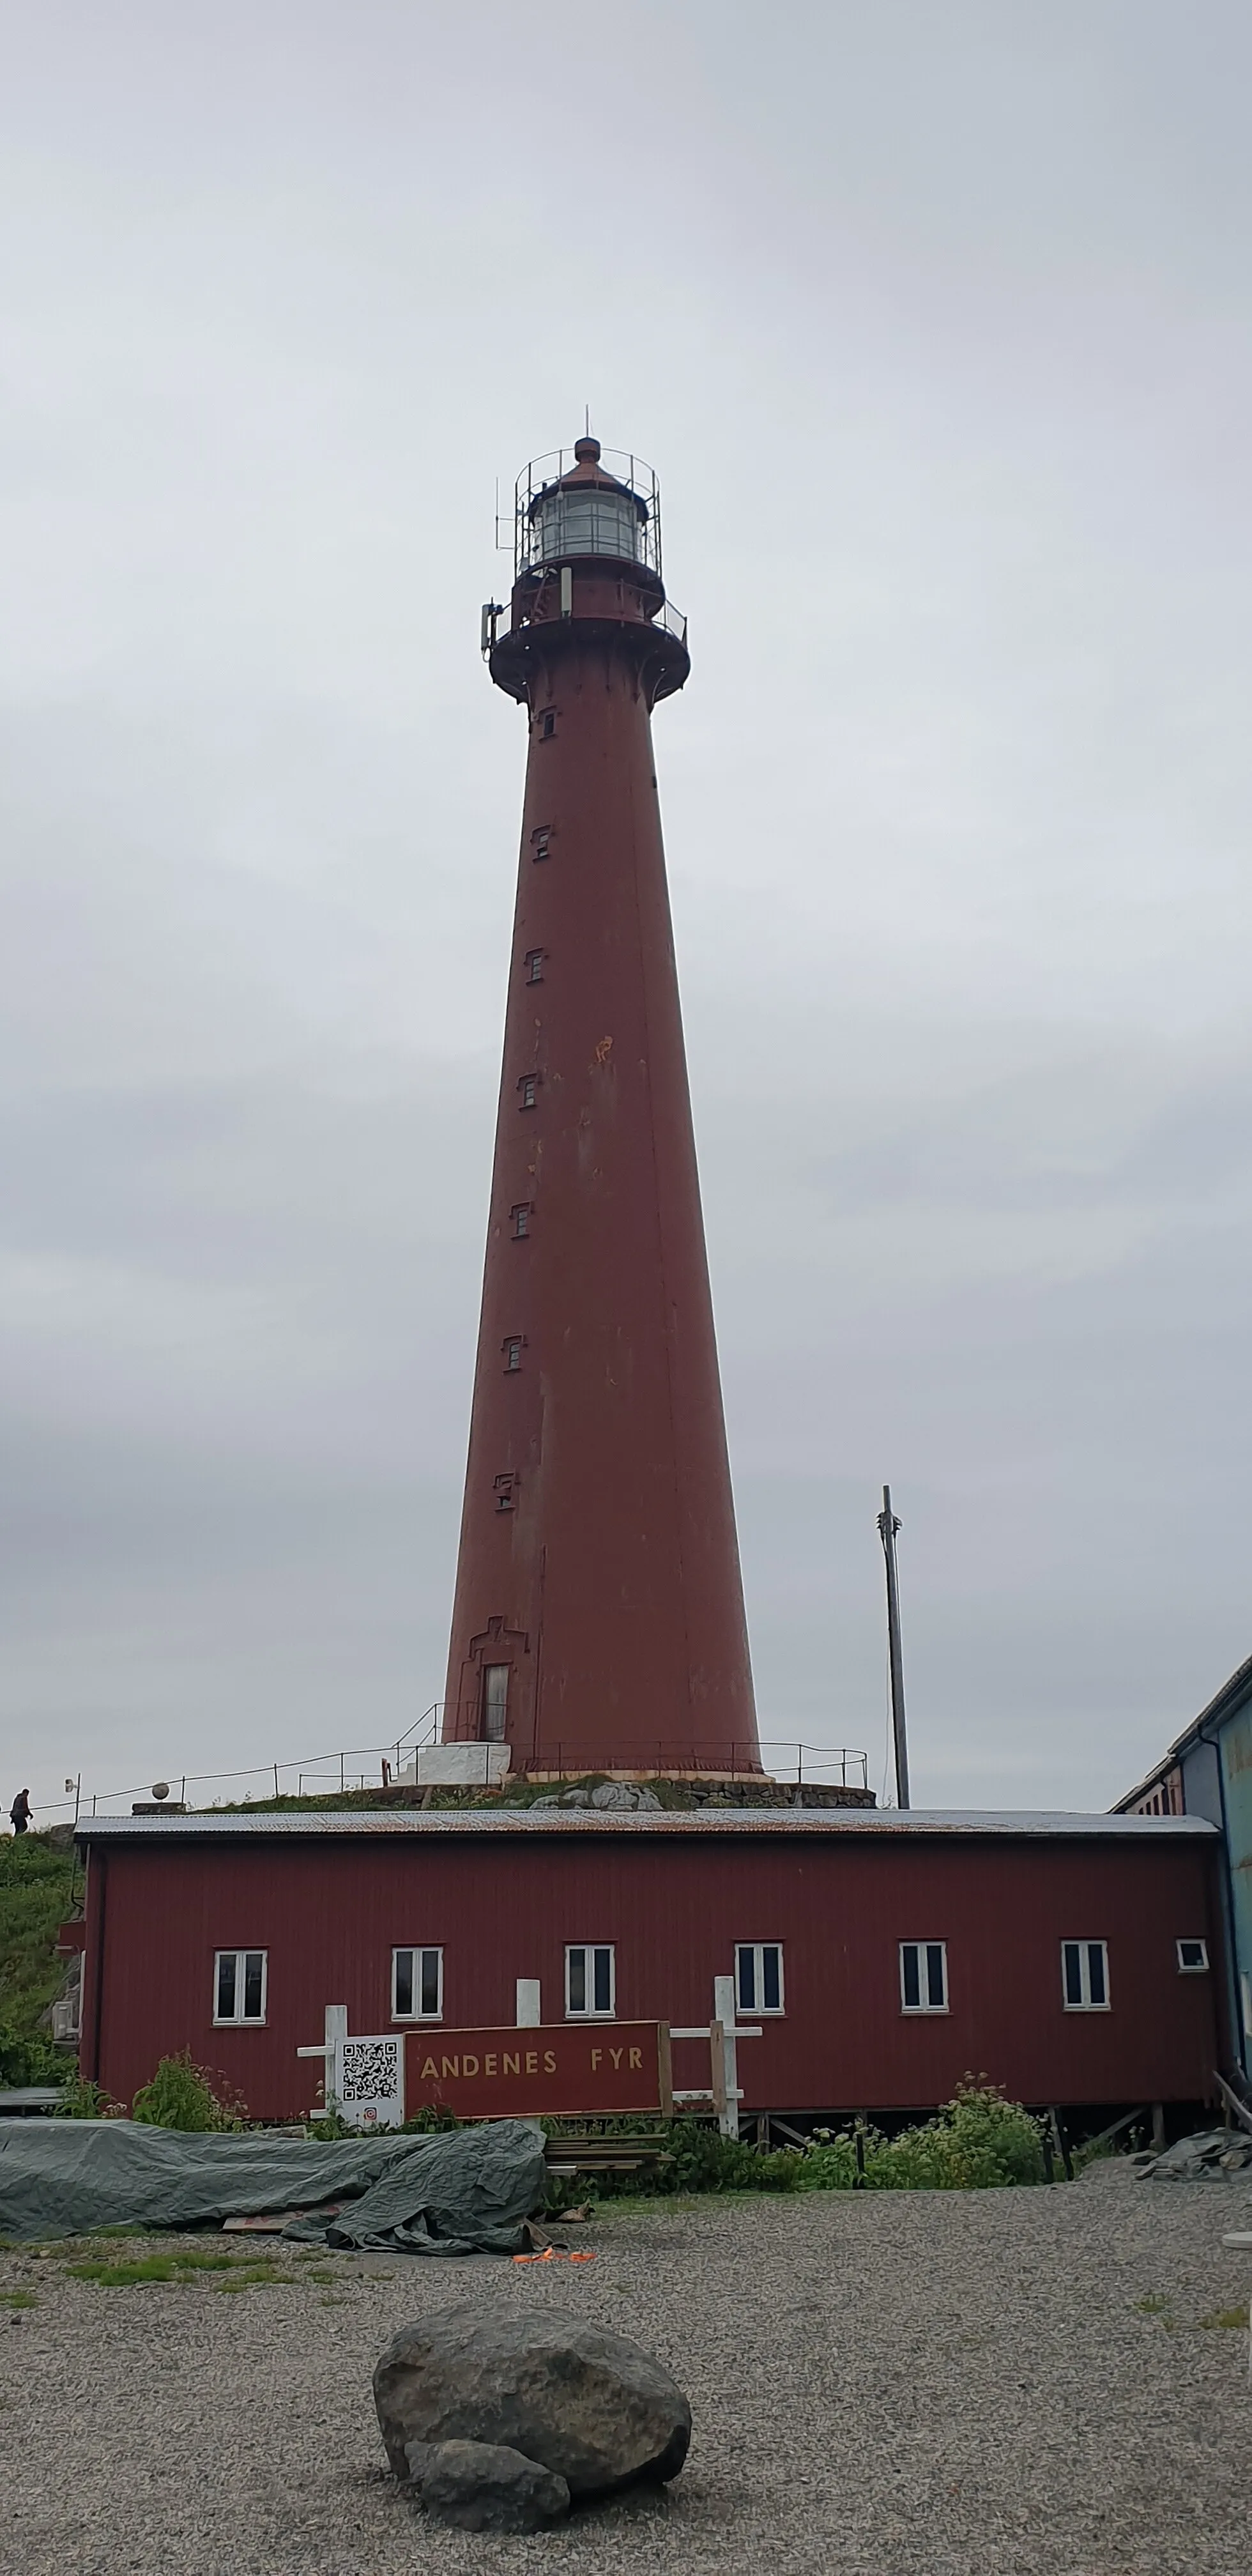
(598, 1622)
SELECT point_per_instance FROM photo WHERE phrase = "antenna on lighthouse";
(888, 1529)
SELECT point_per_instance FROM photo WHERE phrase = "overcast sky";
(935, 323)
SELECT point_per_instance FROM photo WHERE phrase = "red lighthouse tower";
(598, 1621)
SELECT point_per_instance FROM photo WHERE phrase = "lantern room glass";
(587, 522)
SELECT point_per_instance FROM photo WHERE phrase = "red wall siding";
(329, 1912)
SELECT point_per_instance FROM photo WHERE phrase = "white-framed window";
(590, 1982)
(923, 1976)
(759, 1976)
(416, 1985)
(1085, 1976)
(240, 1978)
(1193, 1958)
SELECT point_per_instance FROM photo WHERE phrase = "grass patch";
(246, 2269)
(1153, 2306)
(125, 2276)
(18, 2299)
(1229, 2318)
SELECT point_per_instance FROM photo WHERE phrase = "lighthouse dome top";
(583, 501)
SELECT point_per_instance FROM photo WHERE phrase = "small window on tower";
(505, 1499)
(495, 1701)
(534, 965)
(540, 842)
(547, 724)
(526, 1089)
(521, 1216)
(513, 1346)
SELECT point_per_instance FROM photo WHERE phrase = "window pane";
(1072, 1956)
(578, 1981)
(495, 1701)
(934, 1976)
(404, 1981)
(604, 1980)
(771, 1976)
(253, 1965)
(912, 1979)
(747, 1978)
(1095, 1963)
(226, 1986)
(430, 1983)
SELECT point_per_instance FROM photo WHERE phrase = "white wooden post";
(336, 2029)
(529, 2014)
(724, 2012)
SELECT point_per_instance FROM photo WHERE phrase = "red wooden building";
(883, 1955)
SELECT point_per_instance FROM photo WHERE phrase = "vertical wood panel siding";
(329, 1914)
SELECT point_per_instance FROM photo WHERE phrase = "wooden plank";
(718, 2053)
(1114, 2129)
(666, 2063)
(1232, 2102)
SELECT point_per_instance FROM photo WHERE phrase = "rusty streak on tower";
(598, 1621)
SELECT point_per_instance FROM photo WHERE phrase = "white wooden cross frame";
(723, 2034)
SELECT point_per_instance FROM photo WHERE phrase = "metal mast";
(888, 1528)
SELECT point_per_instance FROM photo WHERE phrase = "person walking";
(19, 1812)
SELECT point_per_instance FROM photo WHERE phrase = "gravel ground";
(912, 2384)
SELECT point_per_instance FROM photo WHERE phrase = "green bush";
(83, 2100)
(183, 2095)
(979, 2141)
(36, 1894)
(829, 2161)
(26, 2057)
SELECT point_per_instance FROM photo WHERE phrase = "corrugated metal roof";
(1224, 1703)
(700, 1821)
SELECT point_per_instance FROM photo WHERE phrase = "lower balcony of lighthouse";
(683, 1775)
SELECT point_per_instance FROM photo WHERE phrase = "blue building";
(1208, 1772)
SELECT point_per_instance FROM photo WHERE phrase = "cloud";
(935, 328)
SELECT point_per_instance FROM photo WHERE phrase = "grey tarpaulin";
(462, 2191)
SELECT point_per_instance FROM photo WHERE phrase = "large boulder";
(484, 2486)
(590, 2405)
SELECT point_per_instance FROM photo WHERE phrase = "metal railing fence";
(793, 1763)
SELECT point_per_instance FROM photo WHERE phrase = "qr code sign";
(369, 2077)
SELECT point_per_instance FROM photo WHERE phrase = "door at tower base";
(546, 2071)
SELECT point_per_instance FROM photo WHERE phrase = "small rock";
(485, 2486)
(590, 2405)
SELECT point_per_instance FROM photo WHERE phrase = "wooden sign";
(581, 2068)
